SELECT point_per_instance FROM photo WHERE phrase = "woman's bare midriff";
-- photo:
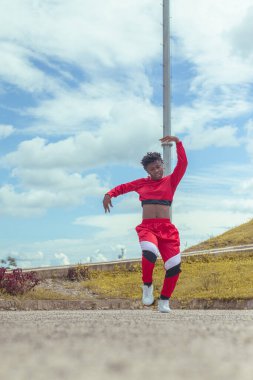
(155, 211)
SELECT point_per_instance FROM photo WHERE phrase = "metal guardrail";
(236, 248)
(106, 264)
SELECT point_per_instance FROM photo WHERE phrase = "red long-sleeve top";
(162, 189)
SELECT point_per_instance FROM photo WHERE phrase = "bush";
(79, 273)
(17, 282)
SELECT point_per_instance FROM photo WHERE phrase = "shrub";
(2, 272)
(17, 282)
(79, 273)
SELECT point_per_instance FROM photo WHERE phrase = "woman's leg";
(148, 242)
(169, 247)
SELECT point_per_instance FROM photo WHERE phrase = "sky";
(81, 104)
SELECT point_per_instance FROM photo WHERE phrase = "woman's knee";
(150, 256)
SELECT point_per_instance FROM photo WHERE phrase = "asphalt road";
(126, 344)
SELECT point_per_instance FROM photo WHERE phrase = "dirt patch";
(66, 288)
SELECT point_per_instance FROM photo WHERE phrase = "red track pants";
(160, 235)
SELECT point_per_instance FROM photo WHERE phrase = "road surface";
(126, 344)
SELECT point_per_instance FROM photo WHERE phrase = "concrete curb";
(62, 272)
(124, 304)
(99, 304)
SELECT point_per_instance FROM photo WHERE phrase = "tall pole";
(166, 85)
(166, 89)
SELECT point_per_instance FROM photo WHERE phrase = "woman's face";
(155, 170)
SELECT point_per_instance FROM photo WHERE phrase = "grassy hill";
(239, 235)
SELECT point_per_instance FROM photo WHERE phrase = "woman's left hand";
(167, 139)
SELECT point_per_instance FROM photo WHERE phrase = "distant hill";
(240, 235)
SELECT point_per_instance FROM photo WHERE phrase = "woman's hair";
(151, 157)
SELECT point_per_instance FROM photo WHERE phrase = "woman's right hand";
(107, 203)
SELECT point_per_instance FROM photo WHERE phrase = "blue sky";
(81, 103)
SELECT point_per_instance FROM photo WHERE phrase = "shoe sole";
(148, 304)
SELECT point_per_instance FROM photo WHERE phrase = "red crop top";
(152, 190)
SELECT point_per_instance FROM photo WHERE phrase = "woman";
(156, 233)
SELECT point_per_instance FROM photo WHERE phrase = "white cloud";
(130, 203)
(105, 38)
(219, 137)
(219, 84)
(98, 258)
(203, 120)
(247, 186)
(17, 69)
(111, 224)
(130, 121)
(89, 37)
(92, 105)
(22, 204)
(210, 180)
(6, 131)
(85, 37)
(46, 191)
(199, 225)
(57, 180)
(208, 45)
(241, 205)
(239, 36)
(64, 260)
(27, 256)
(24, 259)
(249, 138)
(209, 109)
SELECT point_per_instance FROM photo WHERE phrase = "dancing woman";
(156, 232)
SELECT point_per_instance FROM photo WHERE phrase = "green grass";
(239, 235)
(225, 276)
(37, 294)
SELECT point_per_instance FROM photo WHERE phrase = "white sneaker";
(163, 306)
(147, 296)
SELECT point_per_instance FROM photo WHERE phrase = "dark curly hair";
(151, 157)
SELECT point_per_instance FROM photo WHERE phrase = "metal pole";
(166, 88)
(166, 85)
